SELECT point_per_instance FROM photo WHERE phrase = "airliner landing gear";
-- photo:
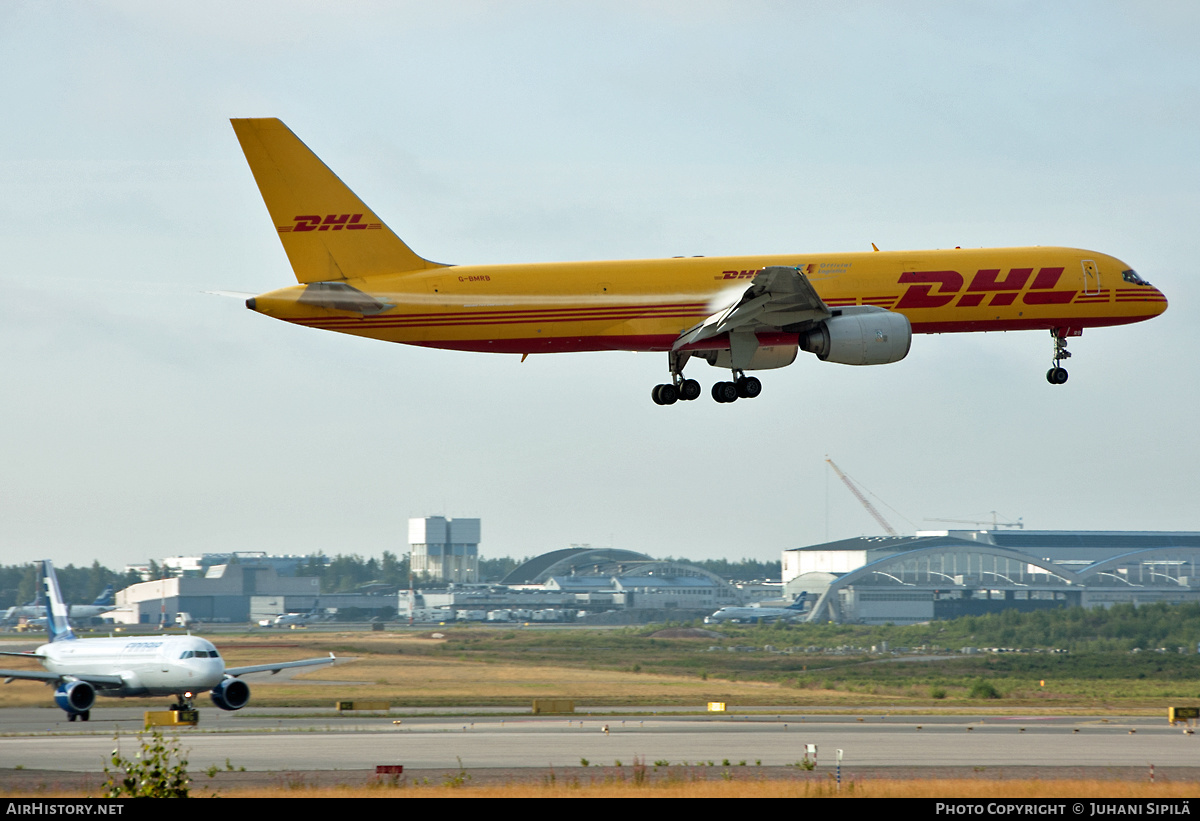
(1058, 374)
(84, 716)
(679, 389)
(685, 390)
(748, 387)
(664, 395)
(742, 387)
(183, 701)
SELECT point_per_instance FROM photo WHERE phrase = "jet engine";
(231, 694)
(764, 358)
(75, 696)
(863, 335)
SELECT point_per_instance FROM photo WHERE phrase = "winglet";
(56, 612)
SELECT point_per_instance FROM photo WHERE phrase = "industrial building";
(250, 589)
(444, 549)
(223, 594)
(945, 574)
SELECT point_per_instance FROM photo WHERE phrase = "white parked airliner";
(754, 614)
(179, 666)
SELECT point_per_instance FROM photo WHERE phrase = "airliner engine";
(231, 694)
(863, 335)
(75, 696)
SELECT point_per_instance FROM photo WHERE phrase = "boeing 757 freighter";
(738, 313)
(179, 666)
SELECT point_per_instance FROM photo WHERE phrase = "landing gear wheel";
(689, 389)
(1058, 374)
(664, 395)
(85, 715)
(725, 392)
(71, 716)
(748, 387)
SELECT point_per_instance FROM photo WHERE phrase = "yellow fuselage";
(644, 305)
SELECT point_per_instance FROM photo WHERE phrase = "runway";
(315, 740)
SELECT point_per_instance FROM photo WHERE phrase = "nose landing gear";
(1057, 375)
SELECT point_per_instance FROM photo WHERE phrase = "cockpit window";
(1131, 276)
(187, 654)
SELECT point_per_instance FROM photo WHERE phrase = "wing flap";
(779, 298)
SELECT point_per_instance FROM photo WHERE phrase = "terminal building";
(946, 574)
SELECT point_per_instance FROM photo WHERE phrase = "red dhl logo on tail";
(936, 289)
(330, 222)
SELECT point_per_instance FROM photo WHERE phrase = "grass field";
(633, 667)
(628, 669)
(629, 787)
(932, 789)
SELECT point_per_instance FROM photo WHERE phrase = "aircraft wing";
(275, 668)
(778, 299)
(31, 675)
(99, 681)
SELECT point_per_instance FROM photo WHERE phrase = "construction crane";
(891, 531)
(995, 523)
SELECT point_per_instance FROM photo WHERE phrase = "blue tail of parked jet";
(106, 598)
(57, 624)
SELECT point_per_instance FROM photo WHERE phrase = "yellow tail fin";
(329, 234)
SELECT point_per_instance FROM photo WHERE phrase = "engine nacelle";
(765, 357)
(75, 696)
(862, 335)
(231, 694)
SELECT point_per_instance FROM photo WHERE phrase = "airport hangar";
(603, 585)
(950, 573)
(585, 584)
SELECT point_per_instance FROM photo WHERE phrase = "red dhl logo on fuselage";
(936, 289)
(330, 222)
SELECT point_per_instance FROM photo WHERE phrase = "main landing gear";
(84, 716)
(1058, 374)
(679, 389)
(685, 390)
(742, 387)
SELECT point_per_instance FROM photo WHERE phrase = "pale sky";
(144, 418)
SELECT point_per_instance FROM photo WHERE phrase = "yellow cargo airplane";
(739, 313)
